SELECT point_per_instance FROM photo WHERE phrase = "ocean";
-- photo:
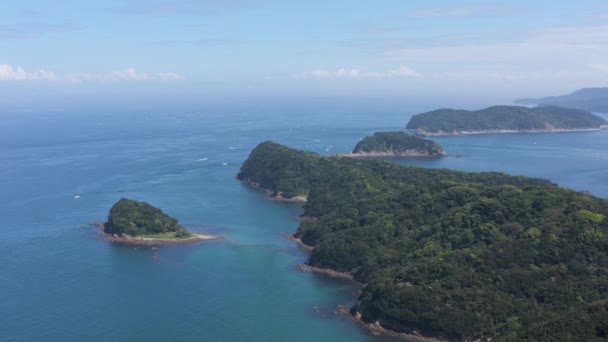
(60, 171)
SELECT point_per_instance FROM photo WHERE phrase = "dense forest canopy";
(397, 143)
(283, 171)
(453, 254)
(139, 218)
(585, 323)
(503, 118)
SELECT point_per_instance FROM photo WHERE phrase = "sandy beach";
(146, 241)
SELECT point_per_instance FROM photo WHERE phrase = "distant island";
(396, 144)
(591, 99)
(504, 119)
(446, 254)
(139, 223)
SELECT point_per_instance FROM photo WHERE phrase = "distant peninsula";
(591, 99)
(139, 223)
(396, 144)
(449, 255)
(504, 119)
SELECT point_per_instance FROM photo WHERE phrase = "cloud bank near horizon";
(249, 46)
(356, 73)
(15, 73)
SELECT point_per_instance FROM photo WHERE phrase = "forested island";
(504, 119)
(134, 222)
(591, 99)
(448, 254)
(396, 144)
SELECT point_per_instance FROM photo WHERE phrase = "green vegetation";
(135, 218)
(283, 171)
(453, 254)
(180, 234)
(587, 323)
(397, 144)
(591, 99)
(510, 118)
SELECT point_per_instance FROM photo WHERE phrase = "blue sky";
(500, 49)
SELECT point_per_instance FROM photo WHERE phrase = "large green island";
(446, 254)
(396, 144)
(139, 223)
(504, 119)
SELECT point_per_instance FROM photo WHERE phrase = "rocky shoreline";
(377, 329)
(425, 133)
(143, 241)
(314, 269)
(328, 272)
(278, 198)
(296, 199)
(299, 242)
(373, 328)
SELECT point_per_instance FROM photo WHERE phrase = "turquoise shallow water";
(61, 282)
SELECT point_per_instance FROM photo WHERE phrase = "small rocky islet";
(140, 223)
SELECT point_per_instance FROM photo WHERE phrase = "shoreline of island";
(396, 145)
(313, 269)
(270, 196)
(374, 328)
(404, 154)
(440, 133)
(146, 241)
(504, 119)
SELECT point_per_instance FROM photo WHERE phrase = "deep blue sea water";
(59, 281)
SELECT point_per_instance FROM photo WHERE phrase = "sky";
(65, 50)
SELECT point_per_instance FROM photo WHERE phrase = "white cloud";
(170, 76)
(403, 71)
(319, 73)
(12, 73)
(129, 74)
(347, 73)
(340, 73)
(355, 73)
